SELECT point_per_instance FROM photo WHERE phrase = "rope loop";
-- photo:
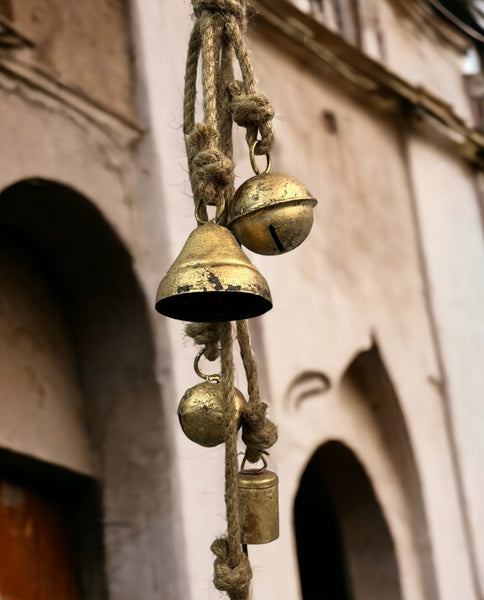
(258, 432)
(206, 335)
(255, 113)
(233, 8)
(234, 580)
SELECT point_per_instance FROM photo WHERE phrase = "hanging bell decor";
(212, 283)
(212, 280)
(201, 410)
(271, 213)
(258, 505)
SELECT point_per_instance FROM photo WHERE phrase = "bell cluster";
(212, 280)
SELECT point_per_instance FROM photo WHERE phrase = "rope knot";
(233, 8)
(255, 113)
(234, 580)
(249, 109)
(258, 432)
(207, 335)
(211, 169)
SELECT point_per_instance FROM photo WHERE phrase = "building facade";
(371, 360)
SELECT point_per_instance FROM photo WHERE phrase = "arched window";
(344, 547)
(81, 382)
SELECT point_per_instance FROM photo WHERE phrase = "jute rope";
(258, 433)
(232, 568)
(217, 37)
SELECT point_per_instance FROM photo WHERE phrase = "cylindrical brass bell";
(258, 506)
(271, 213)
(201, 413)
(212, 280)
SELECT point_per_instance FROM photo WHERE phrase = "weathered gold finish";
(212, 280)
(271, 213)
(201, 413)
(258, 506)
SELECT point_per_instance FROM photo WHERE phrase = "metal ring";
(215, 377)
(253, 163)
(218, 214)
(256, 471)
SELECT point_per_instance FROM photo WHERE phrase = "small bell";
(271, 213)
(201, 413)
(212, 280)
(258, 506)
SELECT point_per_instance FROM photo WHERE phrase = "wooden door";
(36, 561)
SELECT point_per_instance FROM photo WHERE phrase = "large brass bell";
(271, 213)
(201, 410)
(258, 505)
(212, 280)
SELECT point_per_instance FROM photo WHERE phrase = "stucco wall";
(378, 270)
(359, 275)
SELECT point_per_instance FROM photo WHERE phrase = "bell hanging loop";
(253, 164)
(196, 367)
(201, 209)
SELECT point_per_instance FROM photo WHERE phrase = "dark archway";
(91, 273)
(345, 550)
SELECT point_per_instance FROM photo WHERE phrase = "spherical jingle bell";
(201, 410)
(271, 213)
(201, 413)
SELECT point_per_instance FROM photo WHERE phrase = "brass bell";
(201, 413)
(258, 506)
(271, 213)
(212, 280)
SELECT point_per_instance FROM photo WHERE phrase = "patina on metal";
(258, 505)
(212, 280)
(201, 413)
(271, 213)
(201, 410)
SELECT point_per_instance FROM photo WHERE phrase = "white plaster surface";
(454, 252)
(357, 279)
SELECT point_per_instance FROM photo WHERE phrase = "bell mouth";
(213, 307)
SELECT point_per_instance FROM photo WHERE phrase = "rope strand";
(217, 38)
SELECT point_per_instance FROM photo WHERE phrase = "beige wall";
(378, 269)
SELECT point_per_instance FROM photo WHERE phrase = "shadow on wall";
(91, 273)
(345, 548)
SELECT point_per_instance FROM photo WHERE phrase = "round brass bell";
(271, 213)
(212, 280)
(201, 413)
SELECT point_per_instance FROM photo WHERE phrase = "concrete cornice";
(324, 49)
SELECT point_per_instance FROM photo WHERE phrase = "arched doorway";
(88, 274)
(345, 550)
